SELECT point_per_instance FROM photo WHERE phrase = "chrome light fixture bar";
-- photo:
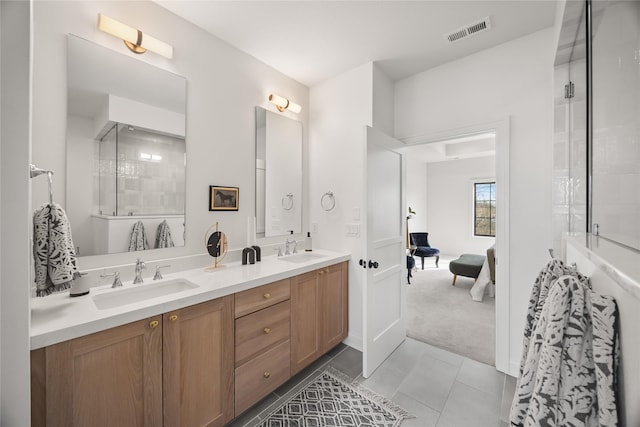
(134, 39)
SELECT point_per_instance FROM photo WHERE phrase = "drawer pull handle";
(267, 330)
(173, 317)
(267, 296)
(153, 324)
(267, 374)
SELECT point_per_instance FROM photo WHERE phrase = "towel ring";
(328, 201)
(287, 202)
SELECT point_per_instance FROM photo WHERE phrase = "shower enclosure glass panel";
(141, 173)
(616, 121)
(108, 150)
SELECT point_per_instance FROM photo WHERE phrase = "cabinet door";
(334, 305)
(198, 364)
(110, 378)
(305, 320)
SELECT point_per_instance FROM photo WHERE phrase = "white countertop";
(59, 317)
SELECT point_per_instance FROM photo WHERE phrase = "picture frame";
(223, 198)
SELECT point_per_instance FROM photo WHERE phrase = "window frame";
(492, 198)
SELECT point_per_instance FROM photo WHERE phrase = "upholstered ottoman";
(468, 265)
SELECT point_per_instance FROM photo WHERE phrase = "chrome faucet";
(286, 246)
(116, 279)
(158, 275)
(140, 265)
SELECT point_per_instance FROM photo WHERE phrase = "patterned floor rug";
(332, 399)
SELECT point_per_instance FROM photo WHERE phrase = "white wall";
(382, 101)
(223, 87)
(336, 154)
(15, 213)
(417, 193)
(450, 210)
(511, 80)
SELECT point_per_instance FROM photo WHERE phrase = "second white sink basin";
(302, 257)
(138, 293)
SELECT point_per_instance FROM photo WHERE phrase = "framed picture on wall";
(223, 198)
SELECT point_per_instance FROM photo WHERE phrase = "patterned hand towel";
(570, 374)
(163, 236)
(53, 250)
(138, 238)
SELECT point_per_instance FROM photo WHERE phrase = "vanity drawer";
(261, 297)
(260, 376)
(258, 331)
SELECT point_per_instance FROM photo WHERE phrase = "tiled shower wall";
(133, 185)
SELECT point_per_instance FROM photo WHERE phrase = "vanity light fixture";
(284, 104)
(134, 39)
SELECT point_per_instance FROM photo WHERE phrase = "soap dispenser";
(307, 242)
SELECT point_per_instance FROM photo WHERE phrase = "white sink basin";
(302, 257)
(138, 293)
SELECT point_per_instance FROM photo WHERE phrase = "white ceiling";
(312, 41)
(463, 147)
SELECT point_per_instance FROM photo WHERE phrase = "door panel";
(383, 322)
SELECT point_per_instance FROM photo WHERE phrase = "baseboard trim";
(355, 342)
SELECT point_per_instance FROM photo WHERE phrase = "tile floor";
(441, 389)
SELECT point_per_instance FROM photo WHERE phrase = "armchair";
(423, 249)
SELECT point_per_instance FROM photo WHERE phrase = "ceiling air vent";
(468, 30)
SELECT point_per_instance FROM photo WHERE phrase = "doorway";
(460, 141)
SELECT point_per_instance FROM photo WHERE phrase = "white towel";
(163, 236)
(138, 238)
(53, 250)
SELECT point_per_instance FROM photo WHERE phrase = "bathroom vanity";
(200, 355)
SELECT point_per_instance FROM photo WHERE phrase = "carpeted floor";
(446, 316)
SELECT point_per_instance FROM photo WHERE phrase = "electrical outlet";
(314, 227)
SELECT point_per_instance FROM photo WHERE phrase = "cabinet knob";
(173, 317)
(153, 324)
(267, 296)
(322, 272)
(267, 330)
(267, 374)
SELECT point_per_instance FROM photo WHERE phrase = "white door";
(385, 256)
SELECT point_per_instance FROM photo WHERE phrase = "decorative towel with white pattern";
(54, 253)
(138, 238)
(163, 236)
(569, 369)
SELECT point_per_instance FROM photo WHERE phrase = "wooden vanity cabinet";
(263, 346)
(319, 313)
(196, 366)
(181, 361)
(110, 378)
(198, 348)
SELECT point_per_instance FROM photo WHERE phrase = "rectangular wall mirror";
(126, 151)
(278, 174)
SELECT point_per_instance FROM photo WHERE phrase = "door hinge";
(569, 90)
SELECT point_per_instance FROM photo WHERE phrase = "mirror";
(126, 151)
(278, 174)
